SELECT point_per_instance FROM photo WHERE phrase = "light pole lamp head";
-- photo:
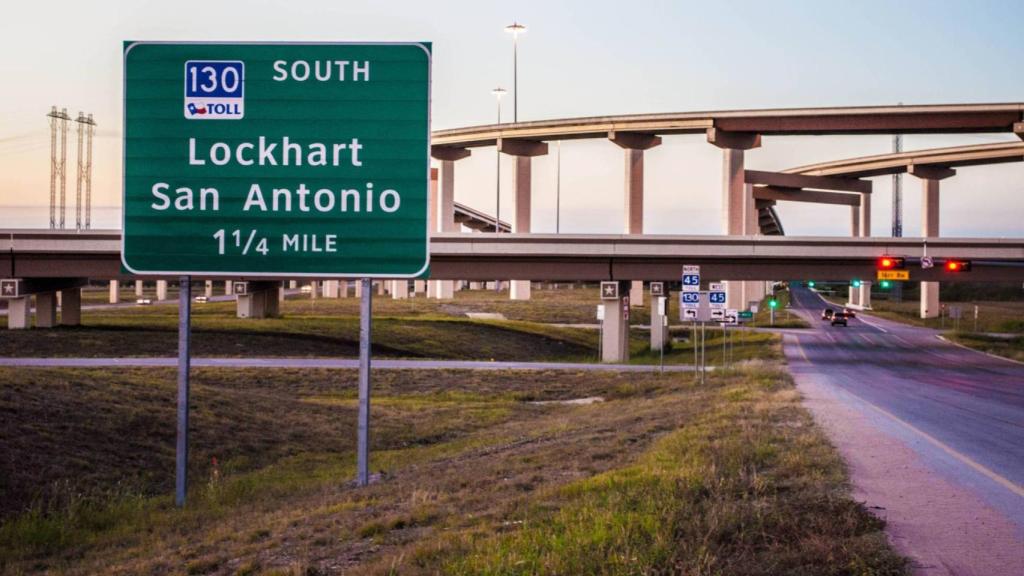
(515, 29)
(499, 92)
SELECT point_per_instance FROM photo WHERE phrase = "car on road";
(143, 302)
(202, 299)
(849, 313)
(307, 289)
(839, 319)
(827, 314)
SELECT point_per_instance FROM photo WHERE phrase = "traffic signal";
(773, 303)
(958, 265)
(855, 283)
(885, 284)
(810, 284)
(891, 263)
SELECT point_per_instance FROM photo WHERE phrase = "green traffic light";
(886, 284)
(855, 283)
(773, 303)
(810, 284)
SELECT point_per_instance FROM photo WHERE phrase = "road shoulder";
(942, 527)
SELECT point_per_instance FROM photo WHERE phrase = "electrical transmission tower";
(58, 123)
(86, 127)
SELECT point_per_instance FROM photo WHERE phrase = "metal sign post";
(363, 449)
(184, 361)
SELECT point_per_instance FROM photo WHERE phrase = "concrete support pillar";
(659, 331)
(359, 289)
(115, 292)
(280, 293)
(161, 289)
(381, 288)
(615, 330)
(71, 307)
(733, 204)
(399, 289)
(293, 284)
(865, 231)
(19, 313)
(342, 288)
(441, 289)
(330, 288)
(46, 309)
(634, 212)
(261, 300)
(930, 229)
(419, 287)
(208, 289)
(140, 289)
(522, 178)
(228, 288)
(854, 293)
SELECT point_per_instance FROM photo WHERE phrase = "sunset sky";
(577, 59)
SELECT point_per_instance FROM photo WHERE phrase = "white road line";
(873, 325)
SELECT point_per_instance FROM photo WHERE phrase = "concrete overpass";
(58, 254)
(734, 132)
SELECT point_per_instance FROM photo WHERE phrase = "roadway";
(933, 433)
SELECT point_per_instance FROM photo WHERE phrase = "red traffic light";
(958, 265)
(891, 263)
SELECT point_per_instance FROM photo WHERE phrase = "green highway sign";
(276, 159)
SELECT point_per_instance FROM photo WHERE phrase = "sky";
(578, 58)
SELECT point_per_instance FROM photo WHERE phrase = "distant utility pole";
(58, 123)
(86, 129)
(897, 210)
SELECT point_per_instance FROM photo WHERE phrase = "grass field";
(417, 328)
(664, 475)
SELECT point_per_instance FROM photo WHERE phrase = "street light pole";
(515, 29)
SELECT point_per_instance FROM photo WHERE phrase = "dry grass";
(664, 476)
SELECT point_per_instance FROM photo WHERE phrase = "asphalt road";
(952, 416)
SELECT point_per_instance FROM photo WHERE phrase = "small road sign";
(927, 262)
(691, 278)
(894, 274)
(745, 315)
(10, 288)
(657, 288)
(689, 299)
(609, 290)
(718, 314)
(732, 316)
(600, 311)
(716, 295)
(663, 305)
